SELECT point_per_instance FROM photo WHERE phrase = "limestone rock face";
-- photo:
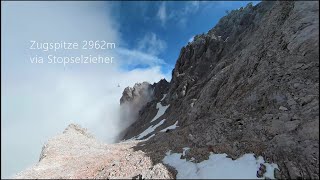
(140, 91)
(135, 102)
(143, 93)
(75, 154)
(160, 88)
(249, 85)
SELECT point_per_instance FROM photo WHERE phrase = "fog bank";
(40, 100)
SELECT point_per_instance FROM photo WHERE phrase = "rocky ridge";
(249, 85)
(76, 154)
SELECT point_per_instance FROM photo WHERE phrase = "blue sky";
(169, 24)
(40, 100)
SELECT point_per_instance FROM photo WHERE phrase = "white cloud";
(181, 15)
(39, 101)
(191, 7)
(152, 44)
(136, 57)
(162, 13)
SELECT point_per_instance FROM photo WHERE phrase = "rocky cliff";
(249, 85)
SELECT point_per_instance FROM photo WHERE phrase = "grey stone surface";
(251, 84)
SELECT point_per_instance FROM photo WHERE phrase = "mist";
(40, 100)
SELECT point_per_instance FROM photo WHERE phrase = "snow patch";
(174, 126)
(218, 166)
(149, 137)
(150, 130)
(185, 149)
(164, 96)
(161, 111)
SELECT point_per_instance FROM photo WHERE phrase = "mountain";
(243, 102)
(76, 154)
